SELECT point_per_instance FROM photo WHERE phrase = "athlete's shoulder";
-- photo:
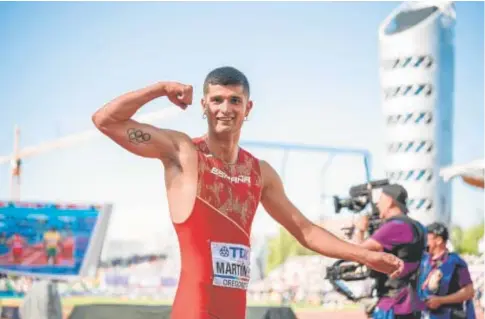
(200, 144)
(198, 140)
(248, 154)
(269, 175)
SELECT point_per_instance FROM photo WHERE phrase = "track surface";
(301, 314)
(35, 255)
(344, 315)
(331, 314)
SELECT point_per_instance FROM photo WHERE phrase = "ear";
(202, 103)
(387, 201)
(249, 107)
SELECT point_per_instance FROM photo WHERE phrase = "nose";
(225, 107)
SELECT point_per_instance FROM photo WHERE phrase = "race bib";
(230, 265)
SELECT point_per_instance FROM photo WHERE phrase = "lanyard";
(435, 264)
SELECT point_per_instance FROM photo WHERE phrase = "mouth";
(225, 119)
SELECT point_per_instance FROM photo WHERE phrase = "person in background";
(445, 285)
(52, 245)
(404, 237)
(17, 243)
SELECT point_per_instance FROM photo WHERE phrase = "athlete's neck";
(225, 148)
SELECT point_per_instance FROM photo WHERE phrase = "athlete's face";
(225, 108)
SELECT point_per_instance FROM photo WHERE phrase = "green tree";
(281, 247)
(456, 238)
(471, 237)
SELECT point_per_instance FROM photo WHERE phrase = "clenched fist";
(384, 263)
(179, 94)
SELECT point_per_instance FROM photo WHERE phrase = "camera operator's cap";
(398, 194)
(438, 229)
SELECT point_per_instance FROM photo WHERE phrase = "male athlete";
(52, 245)
(17, 244)
(213, 189)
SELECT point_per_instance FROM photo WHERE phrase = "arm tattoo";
(137, 136)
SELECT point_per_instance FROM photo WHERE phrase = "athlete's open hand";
(384, 263)
(179, 94)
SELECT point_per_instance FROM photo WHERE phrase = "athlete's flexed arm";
(313, 237)
(114, 120)
(174, 149)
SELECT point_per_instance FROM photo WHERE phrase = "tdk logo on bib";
(234, 252)
(230, 265)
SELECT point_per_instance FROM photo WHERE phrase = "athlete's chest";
(233, 190)
(239, 177)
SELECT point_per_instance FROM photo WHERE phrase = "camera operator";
(401, 236)
(444, 284)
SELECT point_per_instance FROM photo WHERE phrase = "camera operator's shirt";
(390, 235)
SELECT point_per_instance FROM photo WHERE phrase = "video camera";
(343, 271)
(360, 197)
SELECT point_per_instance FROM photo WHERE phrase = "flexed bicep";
(146, 140)
(115, 121)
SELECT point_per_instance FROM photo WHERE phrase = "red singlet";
(17, 245)
(214, 240)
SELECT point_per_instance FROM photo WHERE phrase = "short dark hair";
(226, 75)
(438, 229)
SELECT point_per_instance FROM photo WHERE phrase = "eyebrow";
(231, 97)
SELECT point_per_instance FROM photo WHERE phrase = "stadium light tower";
(417, 75)
(19, 154)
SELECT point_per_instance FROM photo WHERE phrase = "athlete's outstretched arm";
(114, 120)
(313, 237)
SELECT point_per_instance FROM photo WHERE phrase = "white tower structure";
(417, 75)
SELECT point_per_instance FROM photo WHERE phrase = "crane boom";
(72, 139)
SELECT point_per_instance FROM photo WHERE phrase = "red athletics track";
(35, 255)
(350, 314)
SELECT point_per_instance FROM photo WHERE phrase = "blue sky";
(314, 73)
